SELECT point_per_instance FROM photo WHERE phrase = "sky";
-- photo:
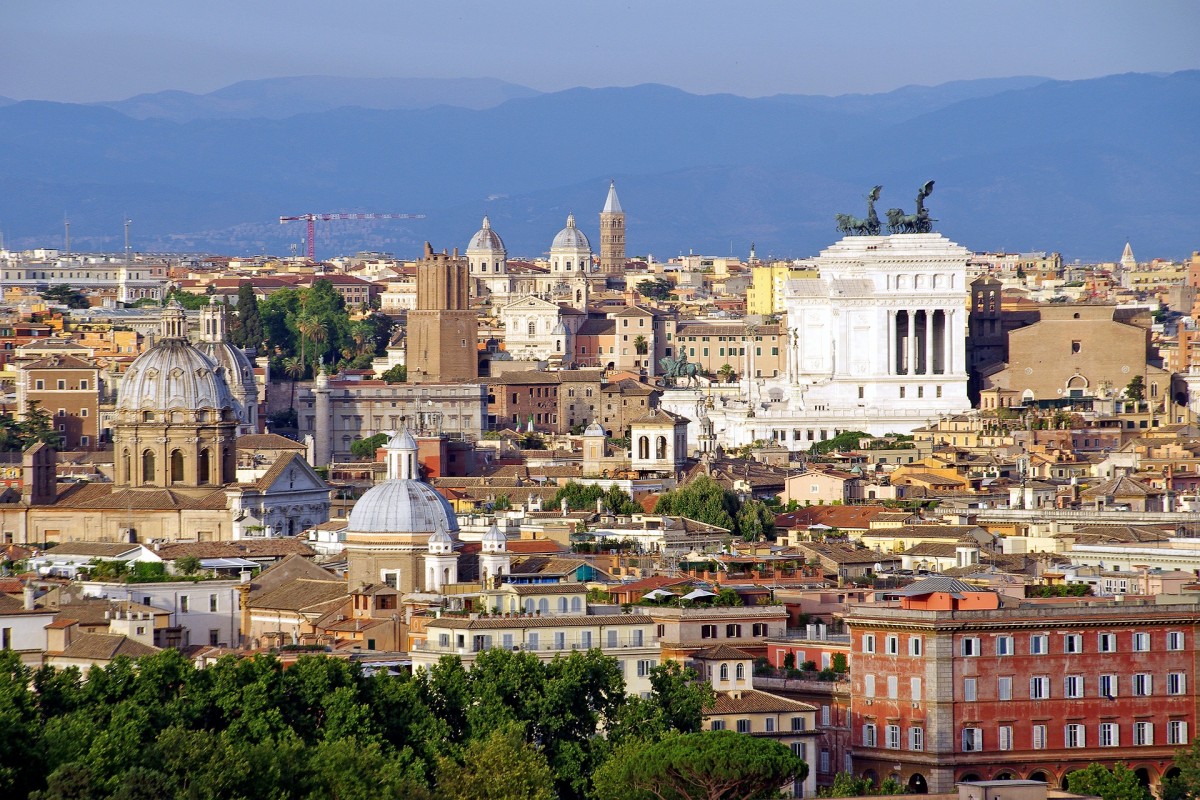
(82, 50)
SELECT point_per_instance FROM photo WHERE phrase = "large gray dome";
(486, 241)
(571, 238)
(401, 506)
(174, 375)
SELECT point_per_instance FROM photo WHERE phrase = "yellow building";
(765, 295)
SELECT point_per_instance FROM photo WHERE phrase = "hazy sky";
(82, 50)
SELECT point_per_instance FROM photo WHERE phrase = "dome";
(402, 506)
(440, 542)
(174, 375)
(403, 440)
(571, 238)
(494, 541)
(594, 429)
(486, 240)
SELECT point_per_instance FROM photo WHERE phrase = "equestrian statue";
(920, 222)
(673, 369)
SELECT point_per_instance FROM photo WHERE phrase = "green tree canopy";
(656, 288)
(66, 295)
(365, 448)
(699, 766)
(1118, 783)
(502, 766)
(703, 500)
(189, 300)
(1185, 785)
(583, 497)
(246, 329)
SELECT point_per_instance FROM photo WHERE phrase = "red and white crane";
(312, 218)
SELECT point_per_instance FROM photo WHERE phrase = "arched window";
(643, 447)
(125, 466)
(724, 672)
(228, 469)
(202, 466)
(576, 605)
(660, 448)
(740, 671)
(148, 466)
(544, 606)
(562, 605)
(528, 606)
(176, 466)
(532, 328)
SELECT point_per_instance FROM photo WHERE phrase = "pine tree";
(248, 332)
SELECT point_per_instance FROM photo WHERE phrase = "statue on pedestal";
(853, 226)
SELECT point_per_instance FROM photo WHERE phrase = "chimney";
(30, 595)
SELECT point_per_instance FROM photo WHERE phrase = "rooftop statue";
(679, 368)
(853, 226)
(920, 222)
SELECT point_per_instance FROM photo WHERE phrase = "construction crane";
(312, 218)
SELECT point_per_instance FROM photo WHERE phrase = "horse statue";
(853, 226)
(899, 222)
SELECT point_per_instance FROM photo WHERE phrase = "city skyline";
(80, 52)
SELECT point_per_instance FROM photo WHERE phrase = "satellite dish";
(878, 567)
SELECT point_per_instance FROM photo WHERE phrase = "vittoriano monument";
(898, 221)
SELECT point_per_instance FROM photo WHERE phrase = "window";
(969, 689)
(708, 631)
(532, 643)
(892, 645)
(644, 666)
(1076, 345)
(893, 737)
(823, 762)
(916, 739)
(1177, 732)
(1004, 645)
(868, 643)
(733, 631)
(212, 602)
(915, 689)
(1039, 737)
(825, 716)
(183, 603)
(717, 725)
(1004, 688)
(1038, 646)
(1175, 640)
(39, 384)
(1141, 642)
(724, 672)
(1108, 686)
(1143, 733)
(759, 629)
(868, 685)
(1143, 684)
(901, 392)
(1073, 686)
(1005, 737)
(1106, 642)
(1176, 683)
(743, 726)
(1074, 735)
(914, 645)
(970, 646)
(1039, 687)
(798, 722)
(1072, 643)
(1110, 734)
(800, 749)
(972, 739)
(893, 686)
(770, 725)
(869, 735)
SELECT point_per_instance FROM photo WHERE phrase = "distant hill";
(280, 98)
(1020, 164)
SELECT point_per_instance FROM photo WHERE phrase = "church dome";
(571, 238)
(486, 240)
(173, 374)
(402, 506)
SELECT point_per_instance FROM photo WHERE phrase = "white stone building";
(876, 344)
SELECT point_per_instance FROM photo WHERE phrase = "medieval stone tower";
(612, 234)
(442, 329)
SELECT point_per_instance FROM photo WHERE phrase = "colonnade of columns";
(920, 342)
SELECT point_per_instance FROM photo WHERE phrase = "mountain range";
(1021, 163)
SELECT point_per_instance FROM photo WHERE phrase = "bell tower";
(612, 234)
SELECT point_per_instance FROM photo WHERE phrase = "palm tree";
(362, 334)
(294, 367)
(640, 345)
(308, 327)
(726, 372)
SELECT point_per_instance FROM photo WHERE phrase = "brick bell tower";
(612, 234)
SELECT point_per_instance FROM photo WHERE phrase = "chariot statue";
(920, 222)
(853, 226)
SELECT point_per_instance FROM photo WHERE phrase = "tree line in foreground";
(511, 727)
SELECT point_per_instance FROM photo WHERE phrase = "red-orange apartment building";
(950, 683)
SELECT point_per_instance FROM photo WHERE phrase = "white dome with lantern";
(571, 251)
(402, 504)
